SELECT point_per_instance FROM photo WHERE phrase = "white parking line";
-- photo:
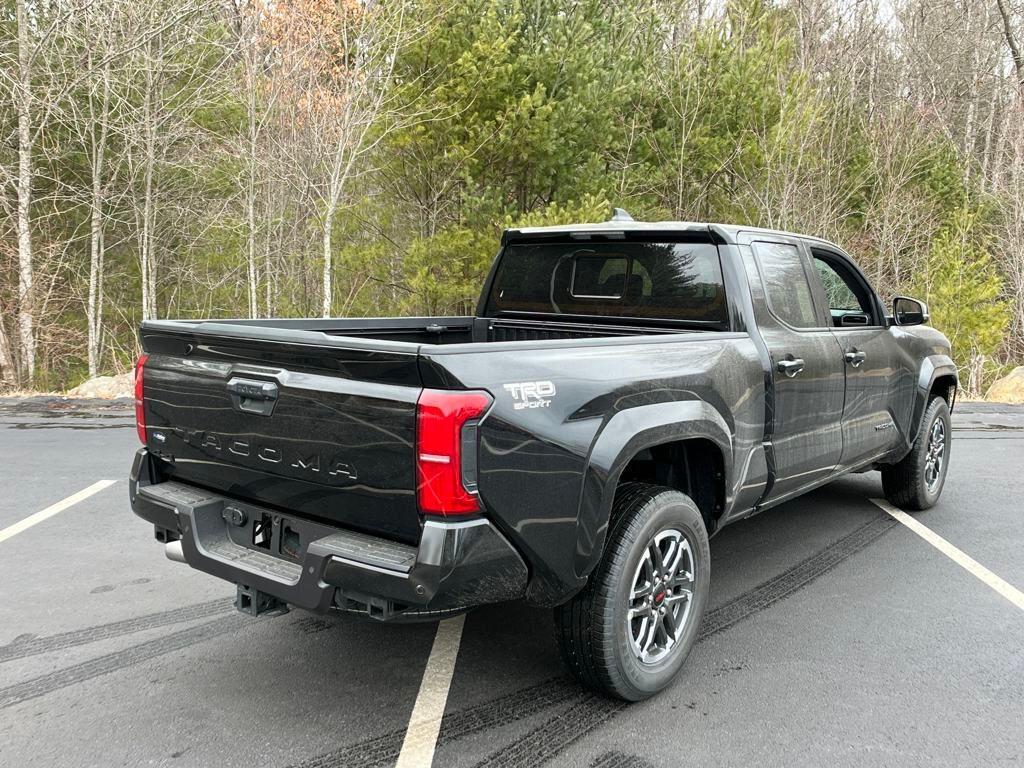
(425, 723)
(53, 509)
(965, 561)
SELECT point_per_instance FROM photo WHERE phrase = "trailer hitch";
(252, 602)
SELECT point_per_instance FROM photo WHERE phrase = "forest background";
(280, 158)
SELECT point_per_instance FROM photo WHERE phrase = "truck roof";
(623, 222)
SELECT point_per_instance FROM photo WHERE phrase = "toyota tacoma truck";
(622, 392)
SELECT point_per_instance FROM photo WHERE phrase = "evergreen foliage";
(486, 114)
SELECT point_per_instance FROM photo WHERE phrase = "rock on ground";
(106, 387)
(1009, 389)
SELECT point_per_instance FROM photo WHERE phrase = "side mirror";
(908, 311)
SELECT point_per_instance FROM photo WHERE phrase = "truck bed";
(331, 439)
(417, 330)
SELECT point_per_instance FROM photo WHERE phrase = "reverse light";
(446, 422)
(140, 410)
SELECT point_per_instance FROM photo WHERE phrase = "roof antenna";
(619, 214)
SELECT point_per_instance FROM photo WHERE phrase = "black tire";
(593, 631)
(906, 483)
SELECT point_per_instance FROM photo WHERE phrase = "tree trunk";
(250, 213)
(95, 307)
(8, 374)
(146, 260)
(986, 152)
(1012, 44)
(328, 227)
(972, 109)
(249, 27)
(26, 327)
(268, 273)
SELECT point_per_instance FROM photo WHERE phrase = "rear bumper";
(457, 565)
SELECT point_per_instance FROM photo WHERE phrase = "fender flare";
(624, 435)
(932, 367)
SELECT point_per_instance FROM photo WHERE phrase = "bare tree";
(99, 115)
(1011, 42)
(249, 19)
(342, 100)
(23, 99)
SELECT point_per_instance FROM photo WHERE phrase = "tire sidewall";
(937, 410)
(667, 510)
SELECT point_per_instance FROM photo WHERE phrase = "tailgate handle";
(253, 396)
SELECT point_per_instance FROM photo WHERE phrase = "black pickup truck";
(623, 391)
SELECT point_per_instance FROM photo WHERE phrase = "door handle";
(790, 367)
(855, 357)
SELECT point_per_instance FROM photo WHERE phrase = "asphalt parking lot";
(836, 636)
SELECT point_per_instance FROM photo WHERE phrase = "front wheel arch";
(936, 377)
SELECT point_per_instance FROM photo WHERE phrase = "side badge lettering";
(531, 394)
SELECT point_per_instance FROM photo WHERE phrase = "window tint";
(846, 295)
(839, 295)
(672, 281)
(789, 294)
(599, 277)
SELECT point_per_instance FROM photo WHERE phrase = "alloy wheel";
(935, 457)
(661, 596)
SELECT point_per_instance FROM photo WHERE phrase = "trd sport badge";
(531, 394)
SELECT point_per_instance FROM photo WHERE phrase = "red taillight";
(140, 410)
(446, 450)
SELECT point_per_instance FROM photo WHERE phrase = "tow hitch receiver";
(255, 603)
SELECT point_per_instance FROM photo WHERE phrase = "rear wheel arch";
(693, 466)
(677, 440)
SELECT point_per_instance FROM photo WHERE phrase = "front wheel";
(916, 481)
(629, 631)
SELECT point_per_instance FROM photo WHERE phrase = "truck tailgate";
(320, 427)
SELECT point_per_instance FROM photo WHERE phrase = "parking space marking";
(425, 723)
(962, 559)
(53, 509)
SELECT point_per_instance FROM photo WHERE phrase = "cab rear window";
(643, 280)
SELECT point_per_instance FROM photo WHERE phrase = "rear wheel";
(916, 481)
(629, 631)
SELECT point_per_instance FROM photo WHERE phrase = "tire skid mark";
(519, 705)
(552, 737)
(19, 649)
(558, 733)
(112, 662)
(619, 760)
(384, 749)
(585, 711)
(794, 579)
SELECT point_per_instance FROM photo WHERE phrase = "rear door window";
(644, 280)
(785, 284)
